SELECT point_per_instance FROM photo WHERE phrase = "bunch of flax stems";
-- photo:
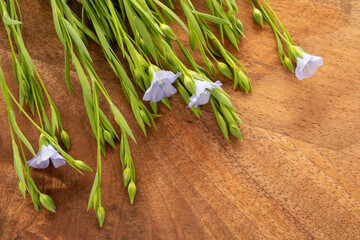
(141, 31)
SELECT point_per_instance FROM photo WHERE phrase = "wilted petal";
(161, 86)
(56, 158)
(306, 66)
(41, 160)
(202, 95)
(38, 163)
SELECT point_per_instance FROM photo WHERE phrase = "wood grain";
(296, 174)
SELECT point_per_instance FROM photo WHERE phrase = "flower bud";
(22, 189)
(152, 70)
(47, 202)
(109, 138)
(222, 125)
(258, 17)
(126, 176)
(289, 64)
(43, 140)
(144, 116)
(209, 65)
(235, 131)
(82, 165)
(240, 25)
(245, 81)
(224, 70)
(221, 97)
(132, 191)
(65, 139)
(298, 51)
(189, 84)
(231, 16)
(168, 32)
(137, 75)
(100, 214)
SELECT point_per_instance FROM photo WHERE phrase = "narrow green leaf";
(212, 18)
(77, 40)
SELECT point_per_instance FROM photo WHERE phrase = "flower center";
(161, 83)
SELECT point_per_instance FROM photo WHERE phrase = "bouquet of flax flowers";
(306, 64)
(30, 92)
(141, 31)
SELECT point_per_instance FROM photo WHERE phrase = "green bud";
(144, 116)
(234, 129)
(289, 64)
(227, 114)
(65, 139)
(224, 70)
(222, 125)
(240, 25)
(82, 165)
(132, 191)
(209, 65)
(137, 75)
(100, 214)
(297, 51)
(22, 189)
(47, 202)
(231, 16)
(138, 79)
(258, 17)
(221, 97)
(43, 140)
(244, 81)
(168, 32)
(109, 138)
(189, 84)
(126, 176)
(152, 70)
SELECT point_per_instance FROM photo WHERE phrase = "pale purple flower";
(41, 160)
(306, 66)
(202, 95)
(161, 86)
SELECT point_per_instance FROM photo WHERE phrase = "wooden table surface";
(295, 175)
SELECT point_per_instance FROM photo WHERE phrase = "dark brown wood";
(295, 175)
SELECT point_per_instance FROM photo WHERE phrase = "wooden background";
(295, 175)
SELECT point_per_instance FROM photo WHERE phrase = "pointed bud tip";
(82, 165)
(127, 176)
(65, 139)
(258, 17)
(132, 191)
(168, 32)
(100, 214)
